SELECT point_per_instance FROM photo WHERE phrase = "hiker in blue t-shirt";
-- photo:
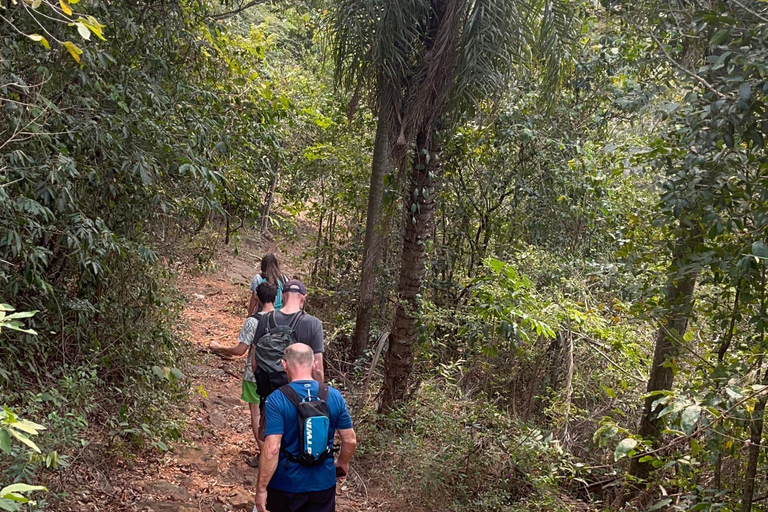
(286, 486)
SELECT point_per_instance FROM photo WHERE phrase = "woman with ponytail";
(270, 271)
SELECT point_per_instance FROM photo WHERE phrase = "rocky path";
(207, 471)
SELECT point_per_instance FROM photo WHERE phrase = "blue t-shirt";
(281, 418)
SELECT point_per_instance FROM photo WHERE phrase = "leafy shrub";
(444, 451)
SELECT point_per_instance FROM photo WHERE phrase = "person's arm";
(237, 350)
(348, 447)
(253, 304)
(317, 372)
(318, 346)
(267, 466)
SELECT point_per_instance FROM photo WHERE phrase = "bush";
(447, 452)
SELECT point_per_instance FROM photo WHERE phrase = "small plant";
(10, 320)
(13, 427)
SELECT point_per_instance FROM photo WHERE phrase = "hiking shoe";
(252, 461)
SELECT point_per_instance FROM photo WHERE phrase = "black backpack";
(268, 353)
(315, 444)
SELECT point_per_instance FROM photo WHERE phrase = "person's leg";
(255, 424)
(262, 428)
(281, 501)
(320, 501)
(250, 396)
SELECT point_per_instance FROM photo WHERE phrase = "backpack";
(268, 353)
(315, 443)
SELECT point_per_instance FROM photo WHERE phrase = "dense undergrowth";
(447, 451)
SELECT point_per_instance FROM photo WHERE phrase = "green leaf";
(745, 91)
(21, 488)
(24, 439)
(25, 314)
(662, 503)
(27, 426)
(8, 505)
(689, 418)
(624, 447)
(673, 408)
(40, 39)
(719, 37)
(760, 249)
(158, 371)
(5, 440)
(177, 373)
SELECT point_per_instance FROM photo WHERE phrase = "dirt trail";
(209, 473)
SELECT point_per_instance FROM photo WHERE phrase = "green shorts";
(249, 393)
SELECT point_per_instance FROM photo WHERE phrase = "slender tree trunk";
(319, 231)
(267, 208)
(679, 298)
(755, 438)
(419, 207)
(758, 417)
(372, 244)
(568, 385)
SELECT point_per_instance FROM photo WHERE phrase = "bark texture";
(679, 298)
(266, 209)
(372, 244)
(758, 415)
(419, 210)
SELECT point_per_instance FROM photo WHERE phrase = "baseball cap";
(294, 285)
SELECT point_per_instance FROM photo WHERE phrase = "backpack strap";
(271, 322)
(291, 394)
(295, 399)
(322, 392)
(295, 320)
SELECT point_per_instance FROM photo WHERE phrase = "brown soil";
(207, 471)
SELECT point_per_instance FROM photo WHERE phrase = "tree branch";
(685, 70)
(229, 14)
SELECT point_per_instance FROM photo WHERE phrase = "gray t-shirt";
(309, 330)
(246, 336)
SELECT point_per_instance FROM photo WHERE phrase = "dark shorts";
(318, 501)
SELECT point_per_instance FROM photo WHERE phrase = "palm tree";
(431, 64)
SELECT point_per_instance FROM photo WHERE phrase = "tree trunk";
(758, 416)
(755, 437)
(568, 385)
(419, 207)
(267, 208)
(319, 243)
(679, 299)
(372, 244)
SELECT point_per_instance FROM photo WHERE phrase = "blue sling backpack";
(315, 444)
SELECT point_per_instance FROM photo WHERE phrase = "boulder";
(167, 490)
(241, 500)
(202, 459)
(217, 419)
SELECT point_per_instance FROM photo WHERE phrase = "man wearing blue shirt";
(286, 486)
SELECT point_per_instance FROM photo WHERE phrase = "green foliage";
(114, 173)
(13, 428)
(444, 450)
